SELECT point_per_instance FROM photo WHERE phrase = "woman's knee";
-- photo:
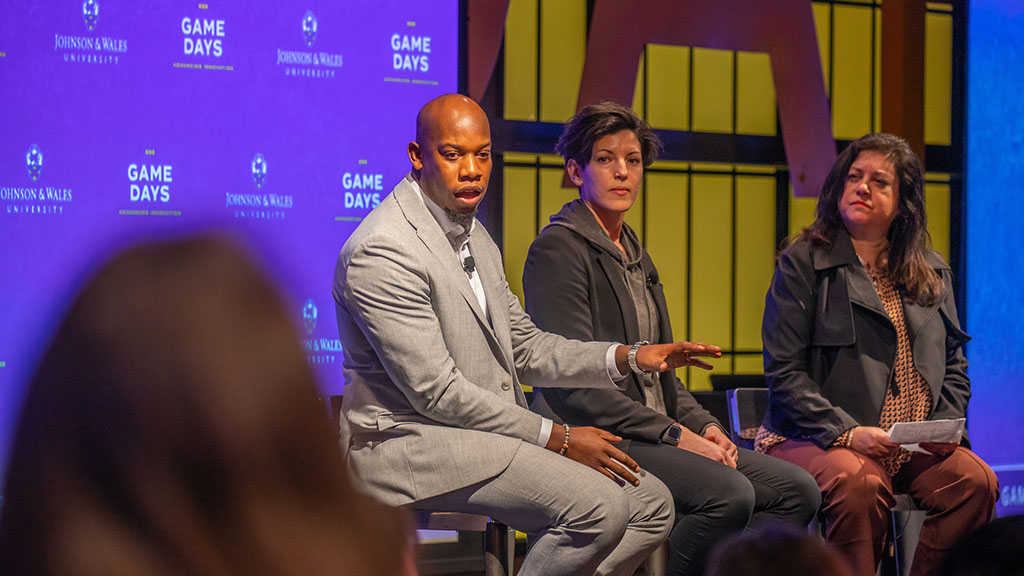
(981, 485)
(733, 499)
(806, 494)
(857, 491)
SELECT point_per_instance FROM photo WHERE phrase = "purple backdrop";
(283, 122)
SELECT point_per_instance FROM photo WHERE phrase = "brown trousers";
(958, 492)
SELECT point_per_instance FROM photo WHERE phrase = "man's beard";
(459, 218)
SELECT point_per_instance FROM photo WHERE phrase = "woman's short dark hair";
(596, 121)
(909, 241)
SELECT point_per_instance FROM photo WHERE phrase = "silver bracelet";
(631, 358)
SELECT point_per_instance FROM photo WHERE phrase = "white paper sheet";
(906, 433)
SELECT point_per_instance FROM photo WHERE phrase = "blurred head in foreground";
(777, 550)
(996, 549)
(173, 428)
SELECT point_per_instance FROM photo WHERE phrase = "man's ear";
(416, 156)
(574, 171)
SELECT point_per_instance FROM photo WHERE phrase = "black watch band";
(672, 435)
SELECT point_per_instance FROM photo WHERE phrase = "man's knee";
(657, 508)
(605, 511)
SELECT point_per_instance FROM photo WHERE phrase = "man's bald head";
(446, 109)
(451, 157)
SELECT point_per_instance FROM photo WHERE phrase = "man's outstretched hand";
(662, 357)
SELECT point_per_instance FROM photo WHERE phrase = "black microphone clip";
(652, 278)
(468, 265)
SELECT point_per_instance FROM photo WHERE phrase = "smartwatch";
(672, 435)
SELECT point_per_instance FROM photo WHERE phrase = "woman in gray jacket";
(587, 277)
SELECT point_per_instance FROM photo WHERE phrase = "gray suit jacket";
(432, 387)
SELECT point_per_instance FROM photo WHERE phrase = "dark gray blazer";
(577, 290)
(830, 348)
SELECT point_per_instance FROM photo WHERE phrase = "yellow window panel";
(635, 216)
(851, 71)
(748, 364)
(521, 60)
(639, 94)
(668, 82)
(712, 90)
(519, 209)
(698, 379)
(551, 160)
(755, 169)
(938, 78)
(755, 255)
(936, 199)
(755, 94)
(711, 284)
(552, 195)
(563, 49)
(671, 165)
(666, 238)
(710, 167)
(823, 27)
(520, 157)
(801, 213)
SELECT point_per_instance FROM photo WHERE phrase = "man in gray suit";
(436, 347)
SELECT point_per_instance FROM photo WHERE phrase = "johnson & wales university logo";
(34, 162)
(308, 63)
(318, 350)
(309, 316)
(92, 48)
(90, 13)
(21, 199)
(309, 28)
(259, 170)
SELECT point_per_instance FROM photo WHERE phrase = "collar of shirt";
(456, 233)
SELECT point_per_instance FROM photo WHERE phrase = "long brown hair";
(905, 257)
(173, 428)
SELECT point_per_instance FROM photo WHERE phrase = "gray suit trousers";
(580, 522)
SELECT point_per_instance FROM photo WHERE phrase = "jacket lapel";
(429, 232)
(860, 290)
(917, 316)
(613, 271)
(490, 273)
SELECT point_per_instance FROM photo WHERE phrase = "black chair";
(723, 382)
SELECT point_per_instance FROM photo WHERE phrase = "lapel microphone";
(468, 265)
(652, 278)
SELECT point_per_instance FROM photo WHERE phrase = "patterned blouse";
(909, 399)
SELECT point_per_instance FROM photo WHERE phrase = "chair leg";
(655, 565)
(499, 549)
(906, 531)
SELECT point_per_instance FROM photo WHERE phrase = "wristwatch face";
(672, 434)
